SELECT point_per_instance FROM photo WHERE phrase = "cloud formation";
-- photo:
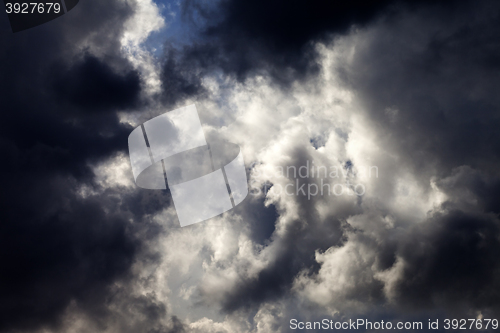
(408, 89)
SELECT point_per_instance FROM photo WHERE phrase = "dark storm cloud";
(180, 78)
(93, 85)
(58, 247)
(451, 262)
(432, 84)
(35, 120)
(73, 251)
(429, 79)
(451, 259)
(58, 104)
(275, 38)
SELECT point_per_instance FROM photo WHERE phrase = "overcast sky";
(408, 90)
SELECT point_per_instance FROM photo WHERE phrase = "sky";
(369, 131)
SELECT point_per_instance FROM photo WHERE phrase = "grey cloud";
(437, 72)
(59, 245)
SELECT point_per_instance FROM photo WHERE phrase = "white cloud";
(145, 20)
